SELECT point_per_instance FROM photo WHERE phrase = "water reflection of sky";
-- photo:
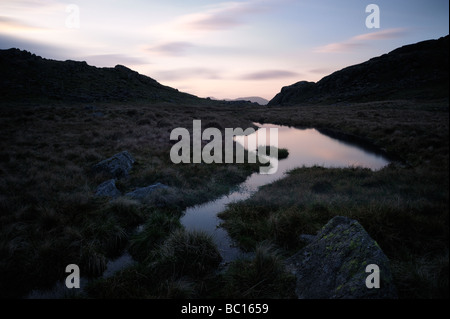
(310, 147)
(307, 147)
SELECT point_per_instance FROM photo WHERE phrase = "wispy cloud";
(177, 48)
(382, 35)
(269, 75)
(224, 16)
(9, 24)
(340, 47)
(184, 48)
(28, 3)
(361, 41)
(188, 73)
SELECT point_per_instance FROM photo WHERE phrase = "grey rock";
(333, 265)
(307, 238)
(142, 192)
(108, 189)
(117, 166)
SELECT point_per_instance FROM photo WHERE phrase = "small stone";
(108, 189)
(117, 166)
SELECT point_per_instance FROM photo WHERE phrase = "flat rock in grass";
(142, 192)
(108, 189)
(117, 166)
(333, 265)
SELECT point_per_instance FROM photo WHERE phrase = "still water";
(307, 147)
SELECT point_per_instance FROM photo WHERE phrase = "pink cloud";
(269, 74)
(382, 35)
(172, 48)
(188, 73)
(8, 24)
(361, 40)
(340, 47)
(224, 16)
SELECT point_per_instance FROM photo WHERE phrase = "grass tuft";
(192, 254)
(264, 276)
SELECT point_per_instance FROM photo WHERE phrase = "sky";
(221, 49)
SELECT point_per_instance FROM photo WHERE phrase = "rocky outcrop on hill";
(27, 76)
(334, 265)
(413, 71)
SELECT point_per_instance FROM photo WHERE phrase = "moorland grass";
(260, 277)
(174, 268)
(404, 206)
(50, 216)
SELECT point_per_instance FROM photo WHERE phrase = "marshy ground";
(50, 216)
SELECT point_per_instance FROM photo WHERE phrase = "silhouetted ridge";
(27, 76)
(413, 71)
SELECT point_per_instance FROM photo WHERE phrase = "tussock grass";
(176, 268)
(391, 210)
(263, 276)
(128, 212)
(47, 186)
(50, 217)
(156, 229)
(192, 254)
(424, 277)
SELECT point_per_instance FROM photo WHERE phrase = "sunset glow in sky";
(221, 49)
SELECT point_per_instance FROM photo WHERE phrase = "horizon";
(220, 49)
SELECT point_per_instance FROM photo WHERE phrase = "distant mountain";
(24, 75)
(413, 71)
(253, 99)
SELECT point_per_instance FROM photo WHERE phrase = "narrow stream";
(307, 147)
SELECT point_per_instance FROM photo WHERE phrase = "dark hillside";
(418, 71)
(24, 75)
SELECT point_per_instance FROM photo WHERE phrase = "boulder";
(307, 238)
(143, 192)
(108, 189)
(117, 166)
(333, 265)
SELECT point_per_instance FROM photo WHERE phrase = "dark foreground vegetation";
(51, 216)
